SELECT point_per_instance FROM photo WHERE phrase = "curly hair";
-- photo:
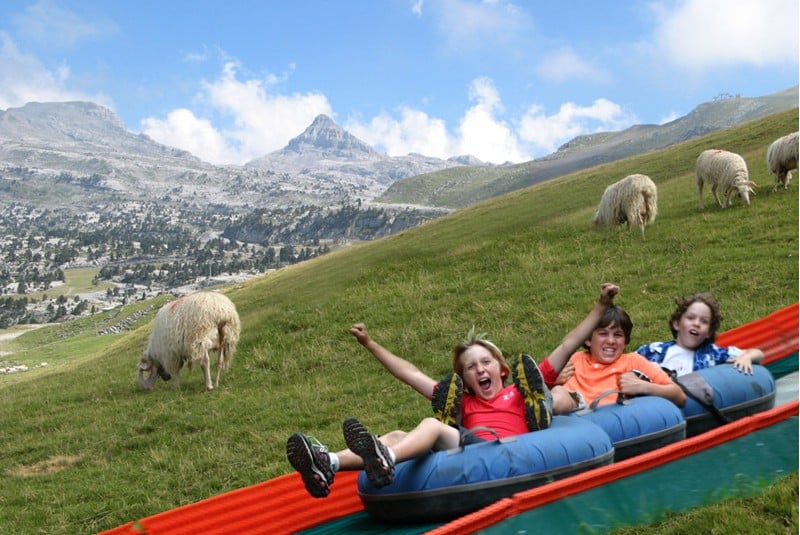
(479, 339)
(683, 303)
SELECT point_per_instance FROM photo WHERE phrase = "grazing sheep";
(186, 330)
(782, 159)
(725, 170)
(632, 200)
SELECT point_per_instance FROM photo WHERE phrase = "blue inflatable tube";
(449, 484)
(736, 395)
(639, 425)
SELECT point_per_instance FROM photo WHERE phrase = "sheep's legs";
(220, 364)
(716, 197)
(206, 363)
(700, 194)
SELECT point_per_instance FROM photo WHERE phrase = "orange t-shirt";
(592, 378)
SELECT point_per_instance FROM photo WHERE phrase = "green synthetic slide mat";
(760, 458)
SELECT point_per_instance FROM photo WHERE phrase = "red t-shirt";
(505, 413)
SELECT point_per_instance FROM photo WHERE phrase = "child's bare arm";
(400, 368)
(581, 333)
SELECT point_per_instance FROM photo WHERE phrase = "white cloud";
(481, 133)
(23, 79)
(564, 65)
(548, 132)
(704, 34)
(414, 132)
(183, 130)
(47, 23)
(259, 121)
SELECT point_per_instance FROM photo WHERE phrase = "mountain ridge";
(85, 142)
(453, 190)
(81, 145)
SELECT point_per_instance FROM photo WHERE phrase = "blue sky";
(501, 80)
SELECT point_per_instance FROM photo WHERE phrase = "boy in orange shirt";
(605, 367)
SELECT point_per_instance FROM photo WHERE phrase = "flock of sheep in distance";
(634, 199)
(188, 329)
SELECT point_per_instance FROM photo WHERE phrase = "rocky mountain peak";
(325, 136)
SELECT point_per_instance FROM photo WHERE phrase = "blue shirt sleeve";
(654, 351)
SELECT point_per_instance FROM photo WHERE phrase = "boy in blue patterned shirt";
(694, 327)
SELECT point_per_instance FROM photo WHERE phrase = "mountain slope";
(95, 452)
(456, 188)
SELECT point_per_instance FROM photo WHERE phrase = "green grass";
(82, 449)
(772, 512)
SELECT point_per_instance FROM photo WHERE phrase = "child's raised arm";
(400, 368)
(577, 336)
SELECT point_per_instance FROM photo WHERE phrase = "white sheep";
(185, 331)
(726, 171)
(782, 159)
(632, 200)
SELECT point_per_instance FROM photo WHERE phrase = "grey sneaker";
(446, 400)
(377, 462)
(309, 457)
(538, 400)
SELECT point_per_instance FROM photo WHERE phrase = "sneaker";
(309, 457)
(538, 400)
(446, 400)
(377, 462)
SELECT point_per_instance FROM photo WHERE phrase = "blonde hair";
(479, 339)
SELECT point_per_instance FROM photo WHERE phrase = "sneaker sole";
(530, 383)
(303, 459)
(377, 465)
(446, 400)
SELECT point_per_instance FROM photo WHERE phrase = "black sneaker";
(309, 457)
(377, 462)
(446, 400)
(538, 400)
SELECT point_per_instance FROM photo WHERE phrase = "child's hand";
(743, 363)
(631, 385)
(607, 292)
(567, 372)
(359, 330)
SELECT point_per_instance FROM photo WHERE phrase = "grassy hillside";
(84, 450)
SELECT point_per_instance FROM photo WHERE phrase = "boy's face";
(481, 372)
(607, 343)
(694, 326)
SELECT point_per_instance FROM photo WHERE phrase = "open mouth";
(485, 384)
